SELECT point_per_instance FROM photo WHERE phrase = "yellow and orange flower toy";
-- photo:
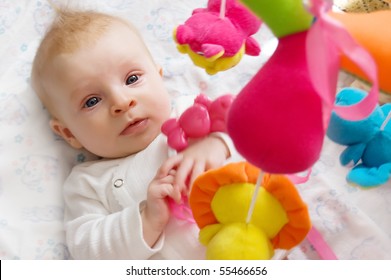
(220, 200)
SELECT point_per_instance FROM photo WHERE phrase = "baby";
(105, 93)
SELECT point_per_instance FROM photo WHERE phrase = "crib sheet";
(34, 162)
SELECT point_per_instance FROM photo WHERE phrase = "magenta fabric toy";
(280, 110)
(216, 37)
(279, 119)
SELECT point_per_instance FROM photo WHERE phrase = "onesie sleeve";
(92, 231)
(234, 155)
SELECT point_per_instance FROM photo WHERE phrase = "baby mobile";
(277, 121)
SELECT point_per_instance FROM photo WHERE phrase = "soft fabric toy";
(370, 30)
(216, 37)
(204, 117)
(368, 141)
(279, 119)
(220, 200)
(268, 122)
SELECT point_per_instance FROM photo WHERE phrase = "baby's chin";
(142, 145)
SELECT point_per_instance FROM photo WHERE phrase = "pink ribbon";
(317, 241)
(182, 210)
(326, 40)
(300, 178)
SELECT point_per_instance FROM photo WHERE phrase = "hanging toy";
(241, 217)
(279, 119)
(368, 141)
(216, 37)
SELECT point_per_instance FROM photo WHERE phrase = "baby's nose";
(121, 105)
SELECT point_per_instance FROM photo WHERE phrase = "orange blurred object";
(373, 32)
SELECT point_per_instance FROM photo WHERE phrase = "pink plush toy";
(216, 37)
(204, 117)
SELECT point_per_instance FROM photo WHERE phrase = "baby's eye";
(131, 79)
(92, 102)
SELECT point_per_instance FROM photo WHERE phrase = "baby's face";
(109, 96)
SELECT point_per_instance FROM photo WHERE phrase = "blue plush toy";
(368, 141)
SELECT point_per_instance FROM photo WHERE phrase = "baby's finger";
(175, 194)
(169, 179)
(172, 172)
(161, 191)
(168, 190)
(183, 172)
(169, 165)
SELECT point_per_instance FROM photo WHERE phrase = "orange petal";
(206, 185)
(299, 221)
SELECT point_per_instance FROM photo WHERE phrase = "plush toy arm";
(352, 154)
(252, 47)
(369, 176)
(213, 51)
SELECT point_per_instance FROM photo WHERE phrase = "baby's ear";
(59, 128)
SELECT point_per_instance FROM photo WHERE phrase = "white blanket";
(34, 162)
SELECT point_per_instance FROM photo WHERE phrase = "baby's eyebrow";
(78, 93)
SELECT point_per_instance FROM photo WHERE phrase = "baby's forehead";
(118, 44)
(70, 43)
(115, 38)
(81, 38)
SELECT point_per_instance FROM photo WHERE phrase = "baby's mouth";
(134, 126)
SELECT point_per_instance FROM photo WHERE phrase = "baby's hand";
(202, 155)
(156, 213)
